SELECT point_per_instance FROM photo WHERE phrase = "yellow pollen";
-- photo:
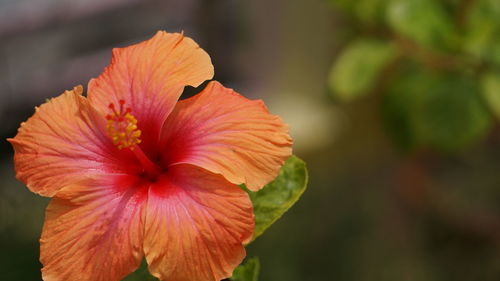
(122, 127)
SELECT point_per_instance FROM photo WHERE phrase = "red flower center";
(123, 130)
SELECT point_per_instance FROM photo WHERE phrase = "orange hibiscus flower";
(135, 173)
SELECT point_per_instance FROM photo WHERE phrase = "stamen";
(122, 127)
(123, 130)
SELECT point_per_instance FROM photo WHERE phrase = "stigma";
(122, 126)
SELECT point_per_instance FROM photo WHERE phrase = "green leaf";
(443, 111)
(248, 271)
(451, 114)
(425, 21)
(271, 202)
(356, 70)
(490, 84)
(398, 108)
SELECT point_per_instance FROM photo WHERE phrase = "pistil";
(150, 168)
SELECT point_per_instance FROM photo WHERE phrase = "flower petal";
(150, 77)
(93, 231)
(61, 143)
(196, 223)
(227, 134)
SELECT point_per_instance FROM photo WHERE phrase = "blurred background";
(394, 105)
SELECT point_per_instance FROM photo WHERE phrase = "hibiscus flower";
(134, 173)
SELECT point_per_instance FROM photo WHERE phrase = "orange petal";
(196, 223)
(150, 77)
(61, 143)
(93, 231)
(227, 134)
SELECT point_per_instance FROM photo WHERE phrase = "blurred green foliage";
(360, 62)
(490, 83)
(424, 21)
(248, 271)
(481, 31)
(435, 64)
